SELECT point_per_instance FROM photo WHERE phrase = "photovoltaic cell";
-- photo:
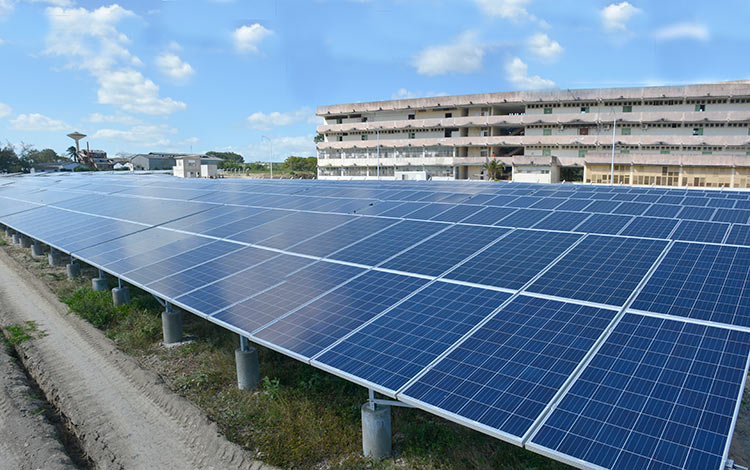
(739, 235)
(705, 282)
(658, 394)
(631, 208)
(506, 373)
(342, 236)
(601, 269)
(662, 210)
(489, 215)
(608, 224)
(523, 218)
(314, 327)
(457, 213)
(650, 227)
(514, 260)
(696, 213)
(562, 220)
(697, 231)
(604, 207)
(734, 216)
(397, 345)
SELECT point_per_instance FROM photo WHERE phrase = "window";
(547, 110)
(410, 117)
(546, 152)
(449, 115)
(627, 109)
(338, 120)
(484, 132)
(485, 111)
(664, 152)
(364, 119)
(340, 138)
(707, 152)
(624, 150)
(547, 132)
(626, 130)
(582, 153)
(583, 131)
(700, 107)
(412, 135)
(585, 109)
(697, 131)
(483, 152)
(364, 136)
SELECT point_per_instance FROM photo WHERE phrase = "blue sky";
(200, 75)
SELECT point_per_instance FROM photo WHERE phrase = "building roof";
(707, 90)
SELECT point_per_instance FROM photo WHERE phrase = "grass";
(17, 334)
(301, 417)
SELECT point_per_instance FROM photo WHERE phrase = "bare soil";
(124, 416)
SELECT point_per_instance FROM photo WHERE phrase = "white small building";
(195, 166)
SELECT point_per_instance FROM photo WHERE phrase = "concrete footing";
(99, 283)
(376, 431)
(248, 368)
(120, 296)
(171, 325)
(8, 232)
(16, 238)
(74, 271)
(53, 258)
(37, 249)
(25, 242)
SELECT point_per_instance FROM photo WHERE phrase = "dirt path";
(124, 416)
(27, 440)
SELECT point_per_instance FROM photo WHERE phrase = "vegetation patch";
(19, 333)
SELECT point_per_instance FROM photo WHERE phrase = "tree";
(319, 138)
(300, 165)
(227, 158)
(9, 161)
(72, 154)
(494, 169)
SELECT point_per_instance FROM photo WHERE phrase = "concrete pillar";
(8, 232)
(74, 270)
(25, 242)
(16, 239)
(171, 324)
(53, 257)
(37, 249)
(120, 296)
(248, 368)
(376, 431)
(98, 283)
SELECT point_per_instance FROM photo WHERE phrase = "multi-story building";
(694, 135)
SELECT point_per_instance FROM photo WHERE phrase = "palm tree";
(71, 151)
(493, 168)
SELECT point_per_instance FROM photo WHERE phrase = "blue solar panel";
(514, 260)
(604, 207)
(378, 208)
(429, 211)
(662, 210)
(734, 216)
(342, 236)
(523, 218)
(500, 201)
(695, 201)
(524, 201)
(670, 199)
(489, 215)
(739, 235)
(445, 250)
(291, 229)
(389, 242)
(403, 209)
(607, 224)
(705, 282)
(716, 202)
(548, 203)
(397, 345)
(601, 269)
(561, 220)
(658, 394)
(506, 373)
(574, 205)
(696, 213)
(457, 213)
(631, 208)
(293, 291)
(314, 327)
(698, 231)
(650, 227)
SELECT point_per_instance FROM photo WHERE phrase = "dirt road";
(124, 416)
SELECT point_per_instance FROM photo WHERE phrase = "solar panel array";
(603, 326)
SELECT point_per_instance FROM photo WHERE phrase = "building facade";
(694, 135)
(195, 166)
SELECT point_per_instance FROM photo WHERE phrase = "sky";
(246, 76)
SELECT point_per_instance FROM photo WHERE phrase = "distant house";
(98, 158)
(52, 167)
(195, 166)
(154, 161)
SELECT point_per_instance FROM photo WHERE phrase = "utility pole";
(270, 158)
(612, 167)
(378, 139)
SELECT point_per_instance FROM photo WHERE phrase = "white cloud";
(263, 121)
(172, 66)
(464, 56)
(246, 38)
(1, 42)
(5, 110)
(545, 48)
(90, 40)
(57, 3)
(616, 15)
(99, 118)
(144, 135)
(518, 74)
(37, 122)
(509, 9)
(404, 94)
(6, 7)
(696, 31)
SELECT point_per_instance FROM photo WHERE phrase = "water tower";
(77, 136)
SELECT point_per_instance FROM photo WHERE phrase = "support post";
(53, 257)
(8, 232)
(248, 368)
(171, 324)
(120, 294)
(16, 239)
(37, 249)
(376, 429)
(25, 242)
(99, 283)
